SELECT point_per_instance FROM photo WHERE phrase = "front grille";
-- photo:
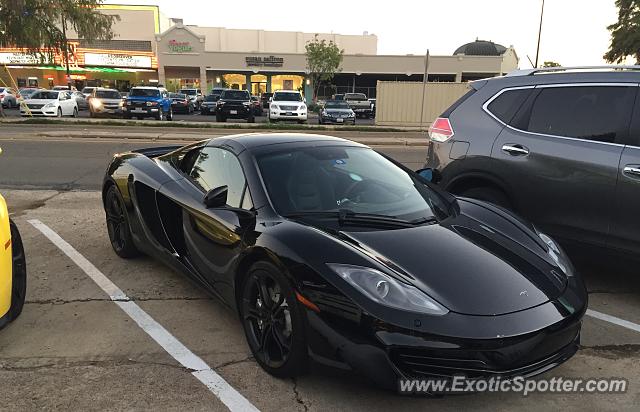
(289, 108)
(515, 357)
(35, 106)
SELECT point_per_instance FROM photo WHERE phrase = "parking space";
(73, 347)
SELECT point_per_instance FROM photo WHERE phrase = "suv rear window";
(505, 106)
(597, 113)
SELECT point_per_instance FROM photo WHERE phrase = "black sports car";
(332, 252)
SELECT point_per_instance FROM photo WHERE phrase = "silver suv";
(559, 146)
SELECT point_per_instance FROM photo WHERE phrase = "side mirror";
(216, 197)
(429, 174)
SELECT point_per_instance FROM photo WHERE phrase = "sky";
(574, 32)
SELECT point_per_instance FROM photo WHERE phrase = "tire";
(320, 121)
(489, 194)
(59, 114)
(275, 336)
(19, 273)
(118, 224)
(170, 115)
(251, 119)
(160, 115)
(75, 112)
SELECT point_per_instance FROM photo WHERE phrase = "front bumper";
(48, 112)
(235, 112)
(338, 120)
(141, 111)
(287, 115)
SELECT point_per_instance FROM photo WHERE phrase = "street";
(73, 348)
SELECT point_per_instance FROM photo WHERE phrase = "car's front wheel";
(59, 114)
(274, 322)
(19, 273)
(170, 115)
(118, 224)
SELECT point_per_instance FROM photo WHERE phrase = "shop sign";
(19, 58)
(116, 60)
(260, 61)
(180, 46)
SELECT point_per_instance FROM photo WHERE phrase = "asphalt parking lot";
(73, 348)
(197, 117)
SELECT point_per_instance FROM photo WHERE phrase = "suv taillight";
(441, 130)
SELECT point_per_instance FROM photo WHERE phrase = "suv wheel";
(488, 194)
(160, 115)
(170, 114)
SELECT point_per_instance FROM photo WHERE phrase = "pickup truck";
(359, 104)
(148, 102)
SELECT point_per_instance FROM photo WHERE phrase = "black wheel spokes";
(266, 312)
(116, 221)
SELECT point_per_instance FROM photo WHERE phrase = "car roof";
(256, 140)
(148, 87)
(286, 91)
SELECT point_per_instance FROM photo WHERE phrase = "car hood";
(480, 262)
(42, 101)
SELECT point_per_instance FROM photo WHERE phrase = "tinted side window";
(505, 106)
(598, 113)
(217, 167)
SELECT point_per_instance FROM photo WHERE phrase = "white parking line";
(214, 382)
(612, 319)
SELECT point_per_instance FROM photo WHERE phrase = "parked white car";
(52, 103)
(287, 105)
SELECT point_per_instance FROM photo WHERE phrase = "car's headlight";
(274, 107)
(152, 103)
(352, 114)
(303, 107)
(49, 105)
(388, 291)
(557, 254)
(96, 103)
(246, 103)
(128, 103)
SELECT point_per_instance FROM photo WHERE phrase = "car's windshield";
(190, 92)
(88, 89)
(108, 94)
(336, 104)
(178, 96)
(45, 95)
(145, 92)
(287, 97)
(27, 92)
(212, 98)
(235, 95)
(332, 178)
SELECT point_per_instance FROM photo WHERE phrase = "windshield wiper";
(347, 216)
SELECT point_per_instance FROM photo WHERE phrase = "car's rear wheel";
(118, 224)
(170, 115)
(489, 194)
(19, 273)
(274, 322)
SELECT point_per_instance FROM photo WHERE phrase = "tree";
(551, 64)
(323, 62)
(38, 25)
(625, 33)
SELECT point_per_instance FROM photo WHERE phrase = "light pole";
(539, 33)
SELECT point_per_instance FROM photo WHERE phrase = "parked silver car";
(8, 97)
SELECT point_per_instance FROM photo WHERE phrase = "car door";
(625, 230)
(65, 103)
(213, 237)
(559, 156)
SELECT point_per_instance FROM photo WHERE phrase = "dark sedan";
(181, 103)
(337, 112)
(334, 253)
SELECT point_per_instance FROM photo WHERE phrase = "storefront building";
(128, 59)
(265, 61)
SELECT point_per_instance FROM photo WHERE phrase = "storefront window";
(287, 82)
(235, 81)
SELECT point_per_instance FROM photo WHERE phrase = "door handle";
(515, 149)
(632, 170)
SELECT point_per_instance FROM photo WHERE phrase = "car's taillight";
(441, 130)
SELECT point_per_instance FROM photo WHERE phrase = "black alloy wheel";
(118, 225)
(19, 273)
(273, 322)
